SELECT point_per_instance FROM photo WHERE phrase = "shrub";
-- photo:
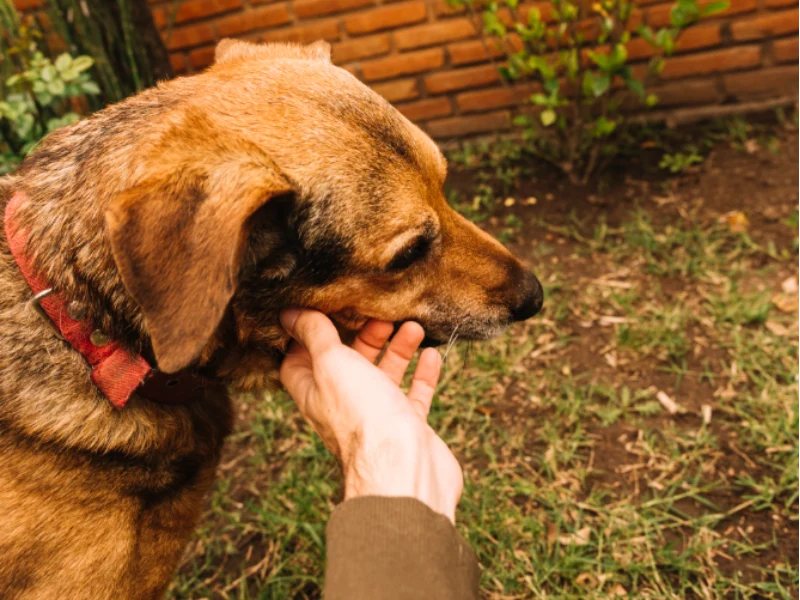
(575, 60)
(39, 97)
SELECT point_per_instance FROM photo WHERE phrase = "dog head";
(280, 180)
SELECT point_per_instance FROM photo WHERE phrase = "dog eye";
(410, 254)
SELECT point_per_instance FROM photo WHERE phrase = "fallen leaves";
(668, 403)
(787, 299)
(736, 221)
(578, 538)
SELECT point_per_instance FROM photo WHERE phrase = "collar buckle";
(36, 304)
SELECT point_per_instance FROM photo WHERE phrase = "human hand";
(379, 434)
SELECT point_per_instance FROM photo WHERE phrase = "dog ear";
(229, 50)
(178, 239)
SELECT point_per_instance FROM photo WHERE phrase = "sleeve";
(392, 548)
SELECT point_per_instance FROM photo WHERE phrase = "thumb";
(297, 376)
(311, 328)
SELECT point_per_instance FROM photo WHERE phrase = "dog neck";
(116, 370)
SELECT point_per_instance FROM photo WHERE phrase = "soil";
(763, 184)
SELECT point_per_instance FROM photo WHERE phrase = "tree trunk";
(120, 36)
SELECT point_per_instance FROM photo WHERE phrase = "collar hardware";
(36, 304)
(117, 372)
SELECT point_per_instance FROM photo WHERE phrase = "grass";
(578, 481)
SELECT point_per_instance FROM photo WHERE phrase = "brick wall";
(425, 57)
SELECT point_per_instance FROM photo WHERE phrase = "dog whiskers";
(451, 342)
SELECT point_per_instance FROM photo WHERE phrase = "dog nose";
(531, 298)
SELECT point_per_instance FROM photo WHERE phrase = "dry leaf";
(736, 220)
(611, 359)
(618, 590)
(776, 328)
(530, 201)
(785, 302)
(607, 320)
(789, 285)
(579, 538)
(751, 146)
(664, 200)
(510, 201)
(668, 403)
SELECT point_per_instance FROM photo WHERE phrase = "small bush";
(39, 97)
(574, 61)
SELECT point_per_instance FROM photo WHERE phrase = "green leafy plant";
(574, 64)
(678, 162)
(39, 98)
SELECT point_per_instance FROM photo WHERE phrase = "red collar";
(116, 371)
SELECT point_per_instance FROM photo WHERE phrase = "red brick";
(474, 51)
(441, 8)
(305, 9)
(186, 37)
(694, 38)
(352, 69)
(159, 17)
(426, 109)
(785, 50)
(545, 12)
(434, 33)
(766, 25)
(386, 17)
(269, 16)
(25, 5)
(201, 57)
(464, 53)
(717, 61)
(361, 47)
(763, 83)
(400, 89)
(658, 16)
(178, 63)
(458, 126)
(494, 98)
(403, 64)
(305, 34)
(779, 3)
(687, 93)
(450, 81)
(191, 10)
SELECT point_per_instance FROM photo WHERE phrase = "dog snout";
(529, 298)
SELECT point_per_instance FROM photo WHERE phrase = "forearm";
(384, 548)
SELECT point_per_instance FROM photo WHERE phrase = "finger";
(311, 328)
(372, 338)
(401, 349)
(297, 376)
(425, 379)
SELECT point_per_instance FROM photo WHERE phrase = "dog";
(169, 230)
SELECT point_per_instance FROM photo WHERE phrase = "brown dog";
(180, 222)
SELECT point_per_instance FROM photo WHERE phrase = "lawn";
(637, 439)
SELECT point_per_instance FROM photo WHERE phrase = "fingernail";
(288, 318)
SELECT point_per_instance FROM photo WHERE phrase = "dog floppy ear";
(229, 50)
(178, 239)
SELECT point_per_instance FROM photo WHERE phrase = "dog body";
(183, 219)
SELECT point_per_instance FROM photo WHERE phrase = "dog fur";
(184, 219)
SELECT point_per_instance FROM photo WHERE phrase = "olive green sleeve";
(383, 548)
